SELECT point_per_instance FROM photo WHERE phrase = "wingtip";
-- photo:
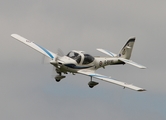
(143, 67)
(141, 90)
(13, 35)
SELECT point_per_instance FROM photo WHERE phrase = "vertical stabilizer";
(127, 49)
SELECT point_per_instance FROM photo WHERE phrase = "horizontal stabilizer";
(132, 63)
(107, 52)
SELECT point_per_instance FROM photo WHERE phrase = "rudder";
(127, 49)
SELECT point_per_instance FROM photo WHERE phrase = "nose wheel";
(59, 76)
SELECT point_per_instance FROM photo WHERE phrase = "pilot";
(75, 54)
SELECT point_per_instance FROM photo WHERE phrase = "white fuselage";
(67, 64)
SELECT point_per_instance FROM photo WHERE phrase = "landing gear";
(57, 80)
(92, 83)
(59, 76)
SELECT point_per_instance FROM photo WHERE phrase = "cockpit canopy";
(75, 56)
(87, 59)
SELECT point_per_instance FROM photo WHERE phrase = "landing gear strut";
(92, 83)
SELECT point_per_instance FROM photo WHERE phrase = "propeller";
(56, 60)
(45, 60)
(60, 52)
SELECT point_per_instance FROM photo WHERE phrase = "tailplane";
(127, 49)
(124, 54)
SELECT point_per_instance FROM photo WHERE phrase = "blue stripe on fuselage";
(77, 67)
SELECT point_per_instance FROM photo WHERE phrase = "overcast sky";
(29, 92)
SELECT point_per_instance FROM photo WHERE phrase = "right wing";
(34, 46)
(110, 80)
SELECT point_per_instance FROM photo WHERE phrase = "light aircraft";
(85, 64)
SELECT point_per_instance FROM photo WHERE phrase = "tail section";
(124, 54)
(127, 49)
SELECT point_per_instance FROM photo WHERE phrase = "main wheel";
(58, 80)
(91, 86)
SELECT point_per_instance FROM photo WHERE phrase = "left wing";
(110, 80)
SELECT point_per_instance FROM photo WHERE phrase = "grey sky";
(29, 92)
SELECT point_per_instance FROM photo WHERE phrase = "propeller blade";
(45, 59)
(60, 52)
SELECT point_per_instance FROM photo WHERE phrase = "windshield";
(75, 56)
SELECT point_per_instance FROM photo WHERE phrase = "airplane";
(79, 62)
